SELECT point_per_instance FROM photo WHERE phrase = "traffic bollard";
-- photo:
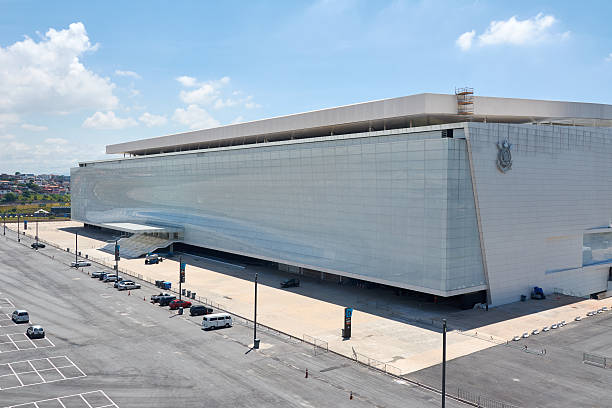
(306, 374)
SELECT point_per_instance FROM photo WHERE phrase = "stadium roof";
(407, 111)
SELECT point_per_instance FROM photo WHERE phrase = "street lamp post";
(18, 237)
(37, 234)
(255, 341)
(443, 362)
(4, 222)
(76, 247)
(116, 257)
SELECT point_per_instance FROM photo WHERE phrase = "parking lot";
(543, 370)
(115, 349)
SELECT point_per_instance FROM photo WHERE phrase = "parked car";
(155, 298)
(215, 320)
(199, 310)
(152, 259)
(112, 278)
(128, 285)
(290, 283)
(79, 264)
(175, 304)
(103, 276)
(97, 274)
(165, 300)
(37, 245)
(20, 316)
(35, 332)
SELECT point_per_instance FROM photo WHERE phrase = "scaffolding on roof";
(465, 101)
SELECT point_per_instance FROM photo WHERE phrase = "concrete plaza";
(400, 331)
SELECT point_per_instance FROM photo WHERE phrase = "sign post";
(348, 314)
(181, 275)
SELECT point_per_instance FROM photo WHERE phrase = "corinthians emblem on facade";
(504, 156)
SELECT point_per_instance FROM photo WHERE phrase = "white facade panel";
(534, 216)
(391, 208)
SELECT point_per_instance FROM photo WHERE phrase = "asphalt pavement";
(110, 348)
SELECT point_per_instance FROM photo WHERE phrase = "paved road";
(142, 355)
(531, 378)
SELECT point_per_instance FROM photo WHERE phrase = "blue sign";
(348, 312)
(183, 266)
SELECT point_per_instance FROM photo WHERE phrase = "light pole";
(76, 248)
(443, 362)
(4, 222)
(37, 234)
(255, 340)
(18, 237)
(117, 257)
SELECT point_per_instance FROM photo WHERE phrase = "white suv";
(125, 285)
(80, 264)
(20, 316)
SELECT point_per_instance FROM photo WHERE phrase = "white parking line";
(5, 302)
(5, 379)
(44, 342)
(92, 395)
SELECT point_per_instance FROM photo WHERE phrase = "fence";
(599, 361)
(376, 364)
(481, 400)
(318, 345)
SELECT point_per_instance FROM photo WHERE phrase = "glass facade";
(392, 208)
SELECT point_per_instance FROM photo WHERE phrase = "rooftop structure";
(395, 113)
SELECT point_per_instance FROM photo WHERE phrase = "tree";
(9, 197)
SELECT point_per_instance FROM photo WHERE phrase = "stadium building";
(443, 194)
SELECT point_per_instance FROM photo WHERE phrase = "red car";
(175, 304)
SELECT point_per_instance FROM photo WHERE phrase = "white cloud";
(514, 32)
(56, 140)
(187, 80)
(195, 117)
(48, 76)
(7, 119)
(53, 155)
(131, 74)
(465, 40)
(206, 93)
(229, 102)
(152, 120)
(33, 128)
(108, 120)
(609, 57)
(238, 119)
(7, 137)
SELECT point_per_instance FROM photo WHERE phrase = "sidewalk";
(385, 328)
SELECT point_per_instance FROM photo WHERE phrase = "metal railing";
(481, 400)
(376, 364)
(596, 360)
(318, 345)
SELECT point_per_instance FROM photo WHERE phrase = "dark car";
(165, 300)
(290, 283)
(37, 245)
(199, 310)
(35, 332)
(97, 274)
(175, 304)
(155, 298)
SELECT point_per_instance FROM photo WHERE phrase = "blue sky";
(77, 75)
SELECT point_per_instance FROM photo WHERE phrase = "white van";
(20, 316)
(212, 321)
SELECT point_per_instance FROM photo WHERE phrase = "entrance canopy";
(140, 228)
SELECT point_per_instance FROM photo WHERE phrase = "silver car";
(35, 332)
(127, 285)
(20, 316)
